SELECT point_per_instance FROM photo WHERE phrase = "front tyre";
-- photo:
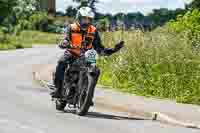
(86, 95)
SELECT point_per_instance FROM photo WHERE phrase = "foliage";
(103, 24)
(195, 4)
(159, 63)
(19, 16)
(71, 11)
(6, 7)
(16, 14)
(163, 15)
(23, 16)
(38, 20)
(27, 38)
(189, 23)
(90, 3)
(25, 8)
(158, 17)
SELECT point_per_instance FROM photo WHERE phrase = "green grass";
(28, 38)
(159, 63)
(36, 37)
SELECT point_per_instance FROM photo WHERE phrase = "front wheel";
(86, 95)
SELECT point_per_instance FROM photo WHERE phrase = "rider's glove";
(64, 44)
(119, 46)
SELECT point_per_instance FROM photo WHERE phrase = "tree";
(103, 24)
(109, 16)
(19, 15)
(99, 16)
(25, 8)
(195, 4)
(71, 11)
(163, 15)
(6, 7)
(119, 16)
(90, 3)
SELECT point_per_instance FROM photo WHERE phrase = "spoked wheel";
(60, 104)
(86, 95)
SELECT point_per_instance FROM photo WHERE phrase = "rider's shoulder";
(92, 28)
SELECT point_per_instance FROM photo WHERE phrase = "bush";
(39, 20)
(158, 63)
(103, 24)
(52, 28)
(1, 35)
(189, 23)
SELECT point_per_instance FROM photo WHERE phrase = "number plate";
(91, 56)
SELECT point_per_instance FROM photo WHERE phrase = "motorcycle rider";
(78, 33)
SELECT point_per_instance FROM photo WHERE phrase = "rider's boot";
(57, 91)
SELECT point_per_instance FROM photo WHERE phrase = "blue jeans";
(63, 62)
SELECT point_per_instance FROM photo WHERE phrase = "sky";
(125, 6)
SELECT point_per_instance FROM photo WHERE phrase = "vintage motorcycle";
(80, 77)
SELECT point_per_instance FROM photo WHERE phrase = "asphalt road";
(27, 108)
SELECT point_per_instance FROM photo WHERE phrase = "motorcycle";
(80, 79)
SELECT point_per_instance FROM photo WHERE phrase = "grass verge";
(27, 38)
(160, 64)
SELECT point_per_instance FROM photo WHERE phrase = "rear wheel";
(86, 95)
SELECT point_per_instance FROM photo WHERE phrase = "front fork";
(94, 72)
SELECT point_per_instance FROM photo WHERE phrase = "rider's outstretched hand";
(119, 46)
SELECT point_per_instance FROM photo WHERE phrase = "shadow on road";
(112, 117)
(105, 116)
